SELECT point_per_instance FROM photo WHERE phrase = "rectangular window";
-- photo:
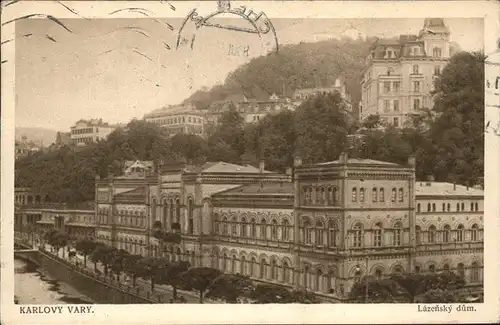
(395, 86)
(437, 71)
(395, 105)
(387, 105)
(416, 104)
(416, 86)
(387, 86)
(415, 69)
(396, 122)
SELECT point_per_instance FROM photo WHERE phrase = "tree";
(200, 278)
(227, 142)
(118, 261)
(457, 132)
(150, 268)
(85, 247)
(230, 287)
(132, 266)
(265, 293)
(103, 254)
(57, 239)
(372, 122)
(170, 274)
(321, 127)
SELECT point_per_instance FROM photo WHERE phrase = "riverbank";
(34, 285)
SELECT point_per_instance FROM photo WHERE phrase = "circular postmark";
(235, 32)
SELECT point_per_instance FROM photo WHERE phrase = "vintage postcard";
(232, 162)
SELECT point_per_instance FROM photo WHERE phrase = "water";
(34, 287)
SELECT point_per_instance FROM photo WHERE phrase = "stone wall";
(100, 289)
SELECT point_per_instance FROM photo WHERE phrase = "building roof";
(172, 110)
(93, 122)
(224, 167)
(357, 161)
(445, 189)
(137, 194)
(261, 188)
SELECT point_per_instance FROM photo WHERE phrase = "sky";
(119, 69)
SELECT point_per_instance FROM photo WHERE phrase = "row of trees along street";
(214, 284)
(446, 139)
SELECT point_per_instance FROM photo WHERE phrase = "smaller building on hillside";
(89, 131)
(24, 147)
(179, 119)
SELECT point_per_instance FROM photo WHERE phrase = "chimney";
(412, 161)
(343, 158)
(262, 166)
(297, 161)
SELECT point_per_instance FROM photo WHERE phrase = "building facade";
(89, 131)
(182, 119)
(322, 230)
(400, 73)
(339, 87)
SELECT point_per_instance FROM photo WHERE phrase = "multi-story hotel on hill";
(322, 228)
(400, 73)
(180, 119)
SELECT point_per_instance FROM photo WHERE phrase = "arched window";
(458, 206)
(431, 234)
(381, 195)
(401, 195)
(263, 266)
(472, 206)
(476, 206)
(460, 233)
(315, 196)
(190, 216)
(428, 207)
(243, 266)
(310, 195)
(285, 231)
(448, 207)
(446, 233)
(433, 207)
(417, 269)
(329, 196)
(274, 269)
(319, 233)
(321, 196)
(307, 232)
(253, 228)
(474, 274)
(263, 229)
(444, 207)
(286, 272)
(473, 232)
(332, 233)
(234, 227)
(377, 235)
(462, 206)
(274, 229)
(354, 197)
(243, 227)
(362, 194)
(397, 234)
(432, 268)
(224, 227)
(224, 262)
(378, 274)
(418, 235)
(461, 270)
(253, 263)
(233, 264)
(446, 267)
(177, 210)
(171, 216)
(374, 194)
(357, 276)
(393, 195)
(317, 280)
(358, 235)
(418, 207)
(153, 209)
(397, 269)
(165, 214)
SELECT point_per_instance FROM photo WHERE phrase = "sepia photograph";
(222, 154)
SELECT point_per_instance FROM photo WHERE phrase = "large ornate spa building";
(320, 226)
